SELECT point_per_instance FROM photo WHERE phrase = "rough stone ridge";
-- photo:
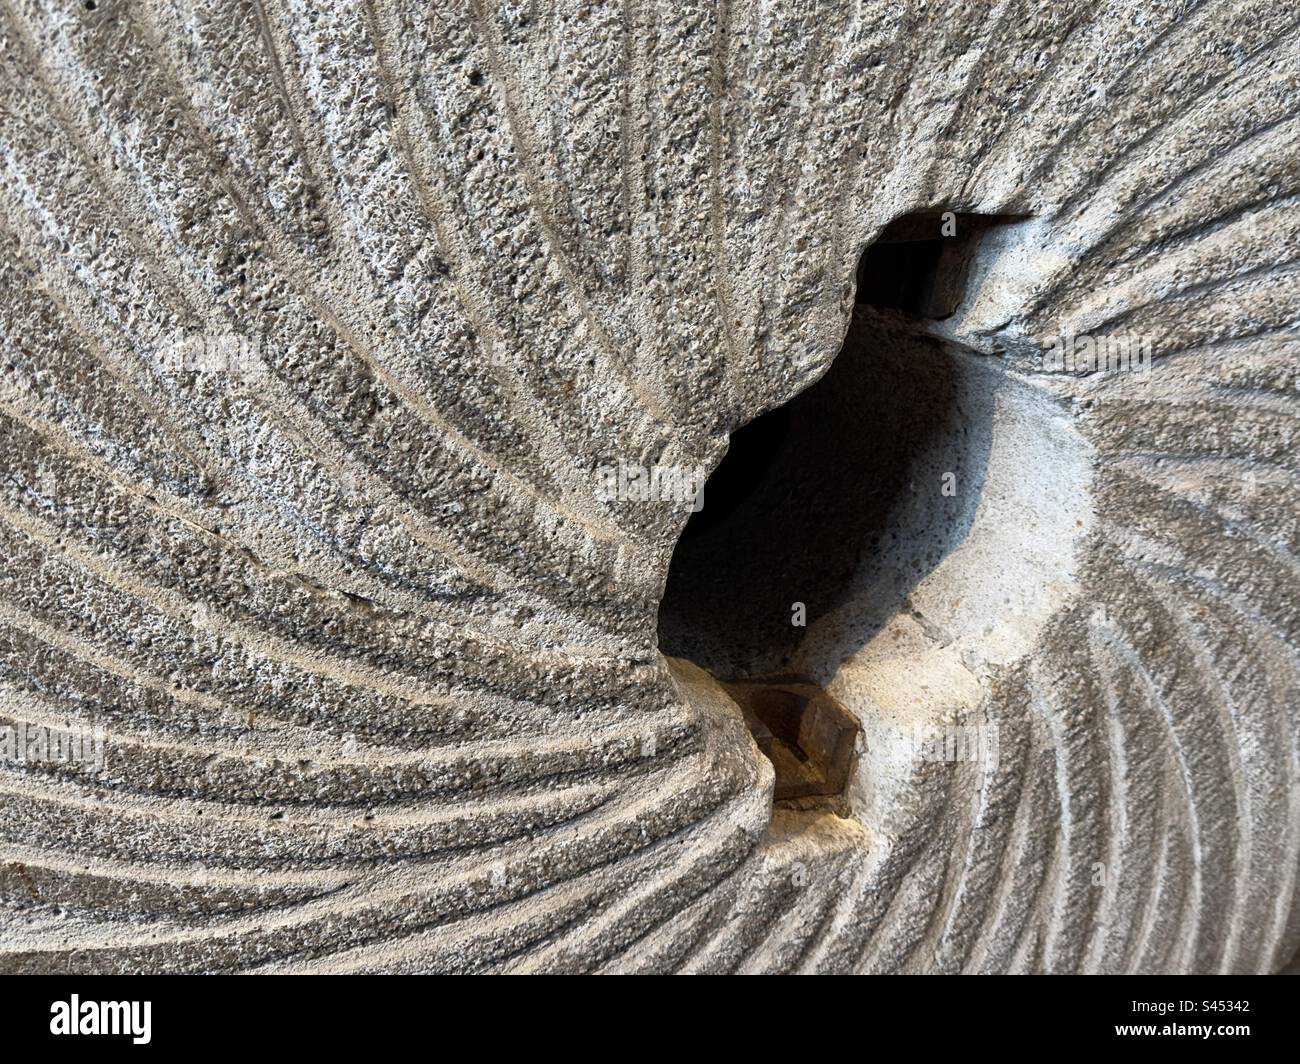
(317, 321)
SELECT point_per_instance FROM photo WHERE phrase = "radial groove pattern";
(375, 663)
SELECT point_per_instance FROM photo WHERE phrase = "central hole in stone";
(919, 264)
(809, 494)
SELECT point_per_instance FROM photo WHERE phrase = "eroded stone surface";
(377, 667)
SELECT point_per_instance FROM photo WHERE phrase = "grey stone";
(318, 323)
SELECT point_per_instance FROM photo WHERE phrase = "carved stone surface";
(318, 322)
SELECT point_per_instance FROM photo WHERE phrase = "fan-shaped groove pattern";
(318, 322)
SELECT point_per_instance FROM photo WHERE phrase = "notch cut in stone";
(806, 734)
(915, 268)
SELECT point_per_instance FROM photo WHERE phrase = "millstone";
(331, 634)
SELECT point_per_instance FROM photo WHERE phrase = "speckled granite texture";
(317, 323)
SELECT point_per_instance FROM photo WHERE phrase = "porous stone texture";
(376, 666)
